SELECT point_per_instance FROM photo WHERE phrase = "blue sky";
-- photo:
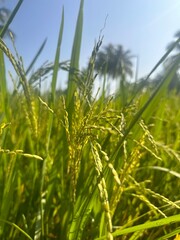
(143, 26)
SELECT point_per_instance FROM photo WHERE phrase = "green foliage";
(74, 63)
(101, 168)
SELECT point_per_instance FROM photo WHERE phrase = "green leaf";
(50, 123)
(171, 234)
(3, 86)
(74, 64)
(13, 14)
(148, 225)
(17, 227)
(36, 57)
(56, 62)
(82, 210)
(176, 174)
(7, 199)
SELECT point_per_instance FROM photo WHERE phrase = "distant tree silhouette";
(113, 60)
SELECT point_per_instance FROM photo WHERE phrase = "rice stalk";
(103, 193)
(20, 72)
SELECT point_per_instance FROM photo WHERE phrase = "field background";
(78, 166)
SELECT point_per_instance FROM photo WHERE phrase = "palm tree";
(113, 60)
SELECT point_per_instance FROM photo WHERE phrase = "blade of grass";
(17, 227)
(171, 234)
(54, 78)
(56, 62)
(82, 209)
(176, 174)
(144, 226)
(74, 64)
(7, 193)
(52, 101)
(13, 14)
(36, 56)
(3, 86)
(163, 58)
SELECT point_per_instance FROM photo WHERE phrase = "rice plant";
(74, 166)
